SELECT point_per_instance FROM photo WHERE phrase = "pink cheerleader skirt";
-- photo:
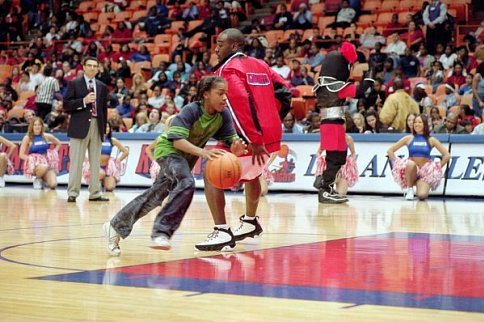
(348, 172)
(113, 169)
(430, 173)
(268, 176)
(50, 159)
(10, 167)
(154, 170)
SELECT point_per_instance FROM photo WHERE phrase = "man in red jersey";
(258, 100)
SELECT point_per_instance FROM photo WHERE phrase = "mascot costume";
(332, 89)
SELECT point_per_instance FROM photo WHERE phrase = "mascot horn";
(332, 90)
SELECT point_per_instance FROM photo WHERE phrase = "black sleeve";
(283, 95)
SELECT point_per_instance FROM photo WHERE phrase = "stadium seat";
(371, 5)
(163, 42)
(123, 16)
(274, 36)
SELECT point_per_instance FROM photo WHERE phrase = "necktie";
(93, 104)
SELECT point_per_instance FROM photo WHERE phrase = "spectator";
(395, 48)
(280, 68)
(122, 34)
(450, 97)
(125, 109)
(314, 121)
(397, 106)
(466, 113)
(466, 88)
(344, 17)
(154, 123)
(35, 75)
(191, 12)
(393, 26)
(359, 121)
(370, 39)
(409, 63)
(313, 57)
(372, 123)
(479, 130)
(414, 36)
(376, 96)
(421, 97)
(435, 76)
(283, 19)
(434, 17)
(302, 78)
(450, 126)
(140, 119)
(303, 19)
(426, 60)
(478, 90)
(448, 58)
(409, 122)
(117, 94)
(455, 77)
(289, 125)
(139, 85)
(142, 55)
(256, 49)
(157, 100)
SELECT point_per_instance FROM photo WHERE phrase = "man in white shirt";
(344, 17)
(396, 47)
(281, 69)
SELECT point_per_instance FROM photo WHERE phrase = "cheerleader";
(111, 168)
(155, 167)
(418, 169)
(6, 165)
(39, 160)
(348, 174)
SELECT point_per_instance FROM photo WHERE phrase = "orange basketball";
(224, 172)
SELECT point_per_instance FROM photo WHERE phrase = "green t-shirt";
(197, 126)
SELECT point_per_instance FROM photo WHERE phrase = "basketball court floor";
(376, 258)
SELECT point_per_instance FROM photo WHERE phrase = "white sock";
(248, 218)
(224, 226)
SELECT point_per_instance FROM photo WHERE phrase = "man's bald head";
(234, 36)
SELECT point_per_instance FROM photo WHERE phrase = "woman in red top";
(414, 36)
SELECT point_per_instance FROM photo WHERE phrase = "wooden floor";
(373, 259)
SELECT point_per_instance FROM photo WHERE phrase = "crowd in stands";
(150, 80)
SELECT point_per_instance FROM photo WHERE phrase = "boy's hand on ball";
(211, 154)
(239, 147)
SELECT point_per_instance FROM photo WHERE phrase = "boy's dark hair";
(206, 84)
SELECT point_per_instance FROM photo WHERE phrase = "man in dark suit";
(86, 101)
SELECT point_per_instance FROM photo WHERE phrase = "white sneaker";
(37, 183)
(219, 240)
(112, 238)
(2, 182)
(161, 242)
(409, 195)
(248, 228)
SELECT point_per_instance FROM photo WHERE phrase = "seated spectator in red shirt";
(466, 113)
(125, 53)
(456, 76)
(392, 26)
(122, 33)
(413, 37)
